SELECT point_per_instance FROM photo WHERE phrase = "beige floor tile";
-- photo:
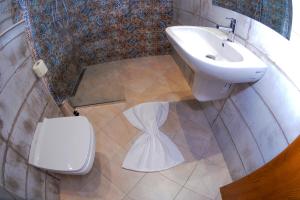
(129, 145)
(106, 146)
(139, 78)
(156, 94)
(180, 173)
(99, 188)
(163, 63)
(70, 184)
(99, 84)
(155, 82)
(99, 115)
(157, 88)
(133, 98)
(154, 78)
(186, 194)
(157, 64)
(176, 80)
(208, 177)
(173, 96)
(120, 130)
(126, 198)
(154, 186)
(89, 187)
(112, 169)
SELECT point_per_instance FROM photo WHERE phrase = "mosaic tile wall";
(277, 14)
(69, 35)
(52, 38)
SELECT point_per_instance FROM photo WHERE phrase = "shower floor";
(99, 84)
(198, 178)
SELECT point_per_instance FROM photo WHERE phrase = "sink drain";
(211, 57)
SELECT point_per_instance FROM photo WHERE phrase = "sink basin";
(218, 64)
(206, 50)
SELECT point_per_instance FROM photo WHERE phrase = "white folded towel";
(153, 150)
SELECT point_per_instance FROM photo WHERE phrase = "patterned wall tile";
(277, 14)
(69, 35)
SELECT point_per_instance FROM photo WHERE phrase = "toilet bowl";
(64, 145)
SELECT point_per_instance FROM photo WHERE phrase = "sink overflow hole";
(211, 57)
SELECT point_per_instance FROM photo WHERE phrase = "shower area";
(86, 43)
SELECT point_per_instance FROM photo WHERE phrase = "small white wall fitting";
(40, 68)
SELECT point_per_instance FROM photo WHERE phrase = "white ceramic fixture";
(64, 145)
(217, 62)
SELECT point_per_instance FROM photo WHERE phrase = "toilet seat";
(64, 145)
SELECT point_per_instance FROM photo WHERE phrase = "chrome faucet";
(230, 29)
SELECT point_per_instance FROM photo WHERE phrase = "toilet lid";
(62, 143)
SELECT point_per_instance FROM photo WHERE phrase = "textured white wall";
(260, 119)
(24, 101)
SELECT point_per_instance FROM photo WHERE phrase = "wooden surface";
(278, 179)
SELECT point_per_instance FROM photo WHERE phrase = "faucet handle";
(231, 18)
(232, 23)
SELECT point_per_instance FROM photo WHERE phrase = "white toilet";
(64, 145)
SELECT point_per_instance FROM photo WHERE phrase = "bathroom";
(113, 60)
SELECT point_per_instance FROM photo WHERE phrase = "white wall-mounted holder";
(40, 68)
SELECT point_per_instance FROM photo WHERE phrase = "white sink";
(217, 63)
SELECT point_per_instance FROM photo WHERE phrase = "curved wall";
(258, 120)
(24, 102)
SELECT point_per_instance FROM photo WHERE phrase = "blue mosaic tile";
(277, 14)
(71, 34)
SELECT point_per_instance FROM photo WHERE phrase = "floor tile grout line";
(100, 173)
(160, 173)
(242, 117)
(179, 191)
(191, 173)
(127, 194)
(198, 193)
(186, 181)
(184, 186)
(104, 132)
